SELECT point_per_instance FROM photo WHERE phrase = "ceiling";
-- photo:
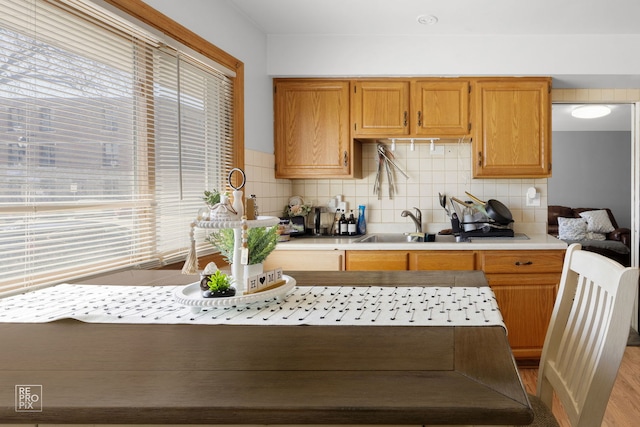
(619, 120)
(465, 17)
(454, 17)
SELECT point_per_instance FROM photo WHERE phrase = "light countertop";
(534, 242)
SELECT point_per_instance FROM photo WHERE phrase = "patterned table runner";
(304, 305)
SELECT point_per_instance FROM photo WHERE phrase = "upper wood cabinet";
(311, 130)
(512, 128)
(320, 124)
(380, 108)
(410, 108)
(441, 107)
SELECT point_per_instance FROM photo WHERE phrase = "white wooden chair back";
(587, 335)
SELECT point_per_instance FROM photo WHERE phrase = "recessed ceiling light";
(590, 111)
(427, 19)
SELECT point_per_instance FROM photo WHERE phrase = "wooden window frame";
(150, 16)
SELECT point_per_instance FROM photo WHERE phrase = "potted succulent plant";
(217, 285)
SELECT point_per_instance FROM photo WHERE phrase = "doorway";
(596, 163)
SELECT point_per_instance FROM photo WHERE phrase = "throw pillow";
(572, 228)
(598, 221)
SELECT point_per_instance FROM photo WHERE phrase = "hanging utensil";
(389, 158)
(390, 179)
(378, 181)
(385, 160)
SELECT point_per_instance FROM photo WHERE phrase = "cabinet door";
(312, 129)
(380, 108)
(377, 260)
(305, 260)
(526, 303)
(440, 108)
(512, 128)
(442, 260)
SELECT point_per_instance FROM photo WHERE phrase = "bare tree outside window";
(48, 91)
(108, 138)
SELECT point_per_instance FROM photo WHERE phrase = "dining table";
(69, 369)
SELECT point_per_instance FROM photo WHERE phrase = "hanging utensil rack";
(386, 166)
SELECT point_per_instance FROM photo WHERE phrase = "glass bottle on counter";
(344, 224)
(352, 230)
(335, 230)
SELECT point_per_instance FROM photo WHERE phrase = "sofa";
(585, 226)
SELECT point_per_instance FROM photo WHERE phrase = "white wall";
(351, 55)
(592, 169)
(221, 24)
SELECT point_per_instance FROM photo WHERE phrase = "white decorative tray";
(191, 295)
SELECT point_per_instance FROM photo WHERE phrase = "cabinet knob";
(524, 262)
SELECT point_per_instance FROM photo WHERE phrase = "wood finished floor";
(624, 405)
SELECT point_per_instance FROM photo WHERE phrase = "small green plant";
(219, 282)
(211, 198)
(261, 241)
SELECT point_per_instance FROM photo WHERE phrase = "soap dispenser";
(362, 223)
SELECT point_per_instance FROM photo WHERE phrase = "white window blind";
(108, 139)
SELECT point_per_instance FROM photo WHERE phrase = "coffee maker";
(320, 221)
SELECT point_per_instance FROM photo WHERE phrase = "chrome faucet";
(417, 218)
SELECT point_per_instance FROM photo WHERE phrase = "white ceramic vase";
(253, 270)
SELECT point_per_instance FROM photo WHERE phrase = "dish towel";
(304, 305)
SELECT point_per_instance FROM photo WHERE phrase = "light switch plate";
(535, 201)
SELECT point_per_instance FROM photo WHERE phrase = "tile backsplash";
(447, 170)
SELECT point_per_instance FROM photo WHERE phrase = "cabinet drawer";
(377, 260)
(442, 260)
(522, 261)
(306, 260)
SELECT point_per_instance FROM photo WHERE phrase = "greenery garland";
(261, 241)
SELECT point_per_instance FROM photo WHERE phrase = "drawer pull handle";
(524, 263)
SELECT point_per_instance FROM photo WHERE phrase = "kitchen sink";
(401, 238)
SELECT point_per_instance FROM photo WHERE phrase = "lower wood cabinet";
(306, 260)
(377, 260)
(525, 284)
(526, 303)
(442, 260)
(410, 260)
